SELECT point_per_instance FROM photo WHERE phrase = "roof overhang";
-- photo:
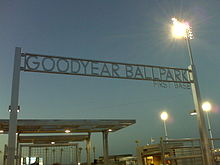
(55, 139)
(59, 126)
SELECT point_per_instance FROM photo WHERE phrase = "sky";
(131, 31)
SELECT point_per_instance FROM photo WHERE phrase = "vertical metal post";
(93, 152)
(80, 154)
(29, 155)
(14, 108)
(189, 50)
(17, 150)
(88, 150)
(20, 154)
(165, 129)
(162, 151)
(61, 155)
(54, 158)
(77, 155)
(139, 155)
(193, 152)
(207, 158)
(5, 154)
(210, 131)
(46, 159)
(105, 147)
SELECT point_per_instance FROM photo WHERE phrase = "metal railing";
(177, 152)
(181, 152)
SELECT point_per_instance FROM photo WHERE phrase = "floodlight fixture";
(206, 106)
(164, 115)
(181, 29)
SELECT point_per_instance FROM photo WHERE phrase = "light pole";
(183, 30)
(206, 106)
(164, 117)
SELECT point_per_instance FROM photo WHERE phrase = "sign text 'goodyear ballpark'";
(161, 76)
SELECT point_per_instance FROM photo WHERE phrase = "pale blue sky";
(132, 31)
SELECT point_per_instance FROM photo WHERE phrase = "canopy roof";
(59, 126)
(54, 138)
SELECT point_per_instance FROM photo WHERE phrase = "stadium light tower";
(182, 30)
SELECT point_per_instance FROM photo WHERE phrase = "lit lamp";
(193, 113)
(164, 117)
(206, 106)
(182, 30)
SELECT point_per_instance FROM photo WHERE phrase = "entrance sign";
(160, 76)
(85, 67)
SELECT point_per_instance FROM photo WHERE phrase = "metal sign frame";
(192, 79)
(84, 67)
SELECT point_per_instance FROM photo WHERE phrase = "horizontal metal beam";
(48, 145)
(183, 157)
(105, 69)
(54, 138)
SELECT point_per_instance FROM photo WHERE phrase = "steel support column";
(88, 150)
(5, 154)
(207, 157)
(17, 150)
(29, 154)
(205, 146)
(20, 155)
(105, 147)
(14, 108)
(210, 131)
(76, 155)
